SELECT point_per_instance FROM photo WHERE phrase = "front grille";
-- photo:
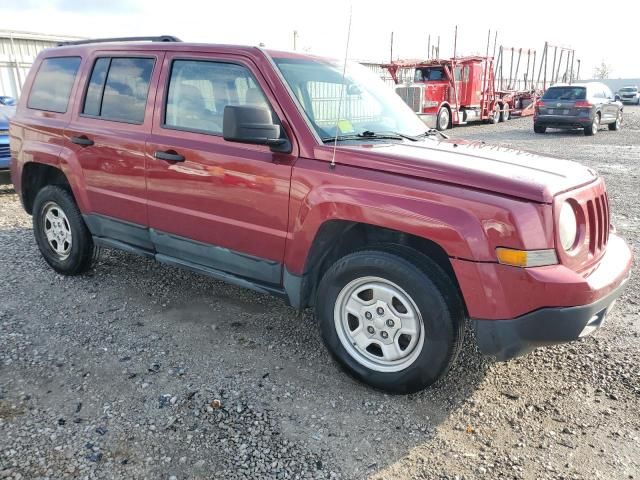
(412, 96)
(598, 223)
(4, 151)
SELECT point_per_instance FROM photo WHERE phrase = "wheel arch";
(336, 238)
(35, 176)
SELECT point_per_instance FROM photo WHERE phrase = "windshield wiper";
(432, 132)
(366, 135)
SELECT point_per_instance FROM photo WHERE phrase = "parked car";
(579, 105)
(629, 95)
(395, 236)
(7, 101)
(5, 155)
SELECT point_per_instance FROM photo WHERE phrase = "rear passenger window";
(199, 91)
(53, 83)
(118, 89)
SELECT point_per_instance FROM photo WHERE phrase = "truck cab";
(446, 92)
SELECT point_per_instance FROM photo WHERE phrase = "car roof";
(135, 46)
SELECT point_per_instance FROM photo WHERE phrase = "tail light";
(539, 103)
(583, 104)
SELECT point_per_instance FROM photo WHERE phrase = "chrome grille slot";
(4, 150)
(412, 96)
(598, 223)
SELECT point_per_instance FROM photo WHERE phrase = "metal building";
(18, 50)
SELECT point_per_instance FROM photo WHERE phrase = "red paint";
(469, 198)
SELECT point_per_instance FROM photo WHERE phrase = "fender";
(466, 224)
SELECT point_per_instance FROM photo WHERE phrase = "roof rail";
(160, 38)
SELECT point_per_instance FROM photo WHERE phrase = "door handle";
(169, 156)
(82, 140)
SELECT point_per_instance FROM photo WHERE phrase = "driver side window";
(200, 89)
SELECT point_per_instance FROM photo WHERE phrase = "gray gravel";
(138, 370)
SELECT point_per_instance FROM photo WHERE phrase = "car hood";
(477, 165)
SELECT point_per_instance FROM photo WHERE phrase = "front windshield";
(629, 90)
(368, 105)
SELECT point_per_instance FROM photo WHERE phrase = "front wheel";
(61, 234)
(443, 119)
(539, 128)
(391, 317)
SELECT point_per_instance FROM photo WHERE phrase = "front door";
(108, 133)
(213, 203)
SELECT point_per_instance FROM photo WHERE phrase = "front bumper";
(506, 339)
(515, 310)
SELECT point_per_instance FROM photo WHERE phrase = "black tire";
(443, 119)
(435, 297)
(593, 128)
(505, 112)
(82, 251)
(495, 115)
(539, 128)
(617, 124)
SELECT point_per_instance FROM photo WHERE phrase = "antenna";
(344, 71)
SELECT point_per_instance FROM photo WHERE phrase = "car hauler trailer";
(457, 90)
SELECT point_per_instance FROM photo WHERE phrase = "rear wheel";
(391, 317)
(60, 232)
(443, 119)
(593, 128)
(505, 112)
(618, 123)
(539, 128)
(495, 115)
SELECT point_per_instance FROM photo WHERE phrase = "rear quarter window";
(53, 83)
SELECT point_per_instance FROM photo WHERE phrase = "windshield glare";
(368, 105)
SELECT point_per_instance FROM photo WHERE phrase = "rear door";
(109, 129)
(610, 104)
(212, 203)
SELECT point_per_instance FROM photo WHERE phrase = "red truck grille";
(412, 96)
(598, 223)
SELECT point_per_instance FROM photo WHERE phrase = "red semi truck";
(455, 91)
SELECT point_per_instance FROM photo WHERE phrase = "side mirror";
(247, 124)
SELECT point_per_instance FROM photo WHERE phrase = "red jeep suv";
(294, 175)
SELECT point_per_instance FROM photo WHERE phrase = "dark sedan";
(579, 105)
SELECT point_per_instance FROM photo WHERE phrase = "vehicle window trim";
(88, 82)
(293, 97)
(86, 88)
(163, 124)
(75, 79)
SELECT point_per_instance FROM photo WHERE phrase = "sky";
(609, 36)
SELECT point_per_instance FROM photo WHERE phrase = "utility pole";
(391, 52)
(295, 40)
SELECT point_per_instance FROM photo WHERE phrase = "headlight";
(568, 226)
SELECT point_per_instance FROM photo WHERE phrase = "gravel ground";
(138, 370)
